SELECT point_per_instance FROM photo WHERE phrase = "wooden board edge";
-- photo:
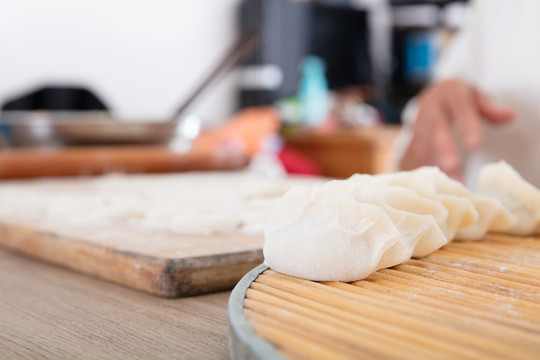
(169, 278)
(206, 274)
(244, 342)
(83, 257)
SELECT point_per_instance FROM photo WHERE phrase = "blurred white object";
(453, 15)
(361, 115)
(187, 130)
(266, 161)
(260, 77)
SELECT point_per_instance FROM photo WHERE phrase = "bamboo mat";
(469, 300)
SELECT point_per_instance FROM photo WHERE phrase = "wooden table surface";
(48, 312)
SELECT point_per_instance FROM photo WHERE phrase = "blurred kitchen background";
(327, 79)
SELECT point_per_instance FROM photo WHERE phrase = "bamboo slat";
(469, 300)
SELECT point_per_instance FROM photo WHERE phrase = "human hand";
(442, 107)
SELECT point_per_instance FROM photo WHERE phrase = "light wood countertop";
(49, 312)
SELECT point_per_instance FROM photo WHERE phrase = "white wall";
(141, 57)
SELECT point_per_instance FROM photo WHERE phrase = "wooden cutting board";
(468, 300)
(171, 234)
(153, 260)
(159, 262)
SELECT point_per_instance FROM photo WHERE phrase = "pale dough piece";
(419, 236)
(402, 198)
(317, 236)
(521, 198)
(461, 210)
(492, 215)
(113, 207)
(412, 215)
(318, 219)
(338, 231)
(190, 202)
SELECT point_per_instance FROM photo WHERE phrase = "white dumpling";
(521, 198)
(320, 236)
(420, 230)
(427, 183)
(402, 198)
(413, 216)
(492, 215)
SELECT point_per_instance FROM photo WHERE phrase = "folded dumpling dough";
(492, 215)
(471, 215)
(461, 210)
(522, 199)
(316, 224)
(320, 236)
(413, 216)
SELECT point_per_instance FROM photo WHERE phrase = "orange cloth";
(244, 132)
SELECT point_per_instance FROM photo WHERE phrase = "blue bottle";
(313, 92)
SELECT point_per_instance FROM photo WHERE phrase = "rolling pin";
(29, 163)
